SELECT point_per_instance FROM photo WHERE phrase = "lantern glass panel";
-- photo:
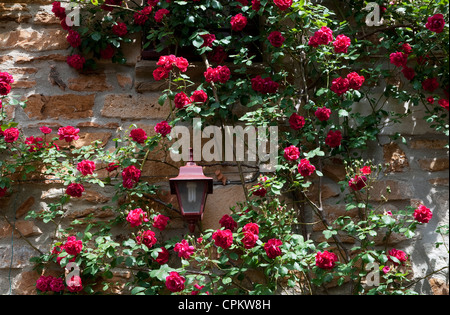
(191, 194)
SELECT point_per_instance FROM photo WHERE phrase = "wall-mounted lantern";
(191, 187)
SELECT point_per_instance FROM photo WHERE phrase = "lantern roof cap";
(191, 172)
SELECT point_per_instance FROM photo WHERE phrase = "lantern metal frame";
(191, 172)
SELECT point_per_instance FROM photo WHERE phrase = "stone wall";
(104, 103)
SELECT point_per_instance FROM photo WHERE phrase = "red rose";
(283, 4)
(167, 62)
(398, 254)
(136, 217)
(45, 130)
(223, 238)
(398, 59)
(75, 285)
(199, 96)
(305, 168)
(276, 39)
(160, 222)
(357, 182)
(68, 133)
(34, 144)
(238, 22)
(59, 11)
(108, 52)
(355, 81)
(112, 166)
(120, 29)
(259, 190)
(366, 170)
(43, 283)
(321, 37)
(272, 248)
(5, 88)
(252, 227)
(220, 74)
(323, 113)
(423, 214)
(141, 17)
(249, 240)
(296, 121)
(6, 77)
(163, 128)
(340, 85)
(75, 190)
(130, 176)
(265, 86)
(408, 73)
(430, 84)
(326, 260)
(175, 282)
(147, 238)
(74, 38)
(86, 167)
(224, 73)
(182, 64)
(228, 222)
(3, 191)
(218, 55)
(160, 73)
(208, 40)
(443, 103)
(73, 246)
(11, 135)
(138, 135)
(76, 61)
(407, 49)
(436, 23)
(183, 249)
(163, 256)
(181, 100)
(341, 44)
(160, 14)
(333, 138)
(256, 5)
(291, 153)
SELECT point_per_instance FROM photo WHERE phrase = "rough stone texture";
(395, 157)
(48, 39)
(66, 106)
(89, 83)
(434, 164)
(438, 286)
(128, 106)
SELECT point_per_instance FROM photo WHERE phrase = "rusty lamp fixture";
(191, 187)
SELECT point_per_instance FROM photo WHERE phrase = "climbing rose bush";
(303, 70)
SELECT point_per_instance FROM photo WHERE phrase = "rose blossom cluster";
(167, 64)
(130, 176)
(264, 86)
(219, 74)
(341, 85)
(259, 189)
(5, 84)
(50, 284)
(72, 246)
(181, 100)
